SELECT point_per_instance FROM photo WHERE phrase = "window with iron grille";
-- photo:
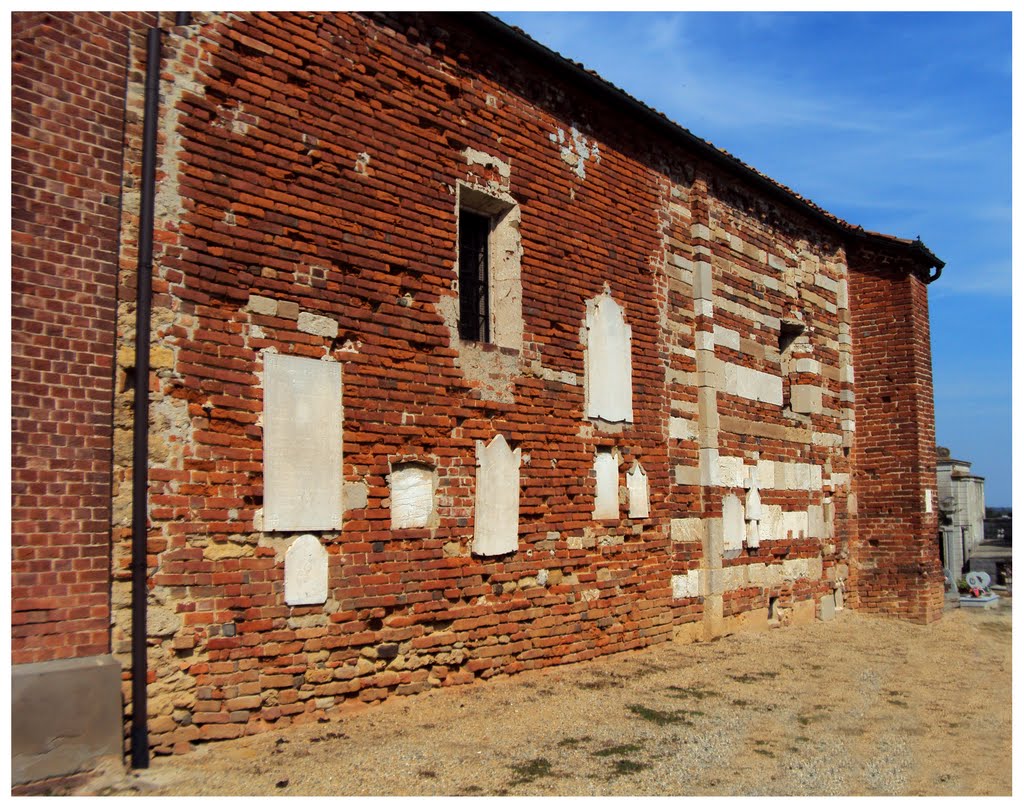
(474, 248)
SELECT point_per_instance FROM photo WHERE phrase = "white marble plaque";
(769, 527)
(302, 486)
(496, 517)
(412, 495)
(639, 496)
(608, 362)
(606, 498)
(733, 527)
(305, 572)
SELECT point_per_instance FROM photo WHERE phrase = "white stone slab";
(815, 522)
(412, 495)
(708, 467)
(766, 473)
(687, 530)
(733, 527)
(302, 451)
(927, 500)
(755, 385)
(727, 337)
(753, 537)
(608, 362)
(606, 498)
(769, 527)
(794, 524)
(305, 572)
(639, 494)
(730, 471)
(805, 398)
(754, 512)
(686, 586)
(496, 516)
(682, 428)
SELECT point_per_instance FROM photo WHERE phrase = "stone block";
(412, 495)
(794, 524)
(682, 428)
(733, 526)
(690, 529)
(803, 613)
(317, 325)
(65, 717)
(713, 544)
(815, 522)
(496, 515)
(288, 310)
(766, 474)
(305, 572)
(606, 498)
(770, 525)
(727, 337)
(731, 471)
(702, 277)
(639, 496)
(687, 475)
(302, 444)
(262, 305)
(709, 467)
(755, 385)
(686, 586)
(607, 361)
(806, 399)
(827, 607)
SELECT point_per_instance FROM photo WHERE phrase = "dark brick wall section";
(896, 569)
(68, 80)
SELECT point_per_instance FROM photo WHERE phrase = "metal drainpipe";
(140, 414)
(140, 426)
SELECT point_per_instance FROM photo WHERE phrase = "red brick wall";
(896, 567)
(311, 160)
(68, 80)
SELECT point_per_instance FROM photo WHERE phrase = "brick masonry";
(310, 166)
(67, 104)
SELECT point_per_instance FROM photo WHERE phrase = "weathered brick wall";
(309, 172)
(67, 104)
(309, 168)
(897, 569)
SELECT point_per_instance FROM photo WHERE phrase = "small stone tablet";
(305, 572)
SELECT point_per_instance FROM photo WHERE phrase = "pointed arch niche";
(607, 361)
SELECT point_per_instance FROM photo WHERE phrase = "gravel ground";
(858, 706)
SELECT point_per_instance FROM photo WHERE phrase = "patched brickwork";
(67, 104)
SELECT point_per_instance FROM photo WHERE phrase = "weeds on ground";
(662, 717)
(625, 766)
(750, 678)
(810, 718)
(612, 751)
(694, 692)
(531, 770)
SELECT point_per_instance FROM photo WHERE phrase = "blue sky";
(899, 122)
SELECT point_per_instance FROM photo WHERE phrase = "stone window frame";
(504, 291)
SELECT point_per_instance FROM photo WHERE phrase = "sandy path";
(860, 705)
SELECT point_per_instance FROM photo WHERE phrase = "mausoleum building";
(461, 362)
